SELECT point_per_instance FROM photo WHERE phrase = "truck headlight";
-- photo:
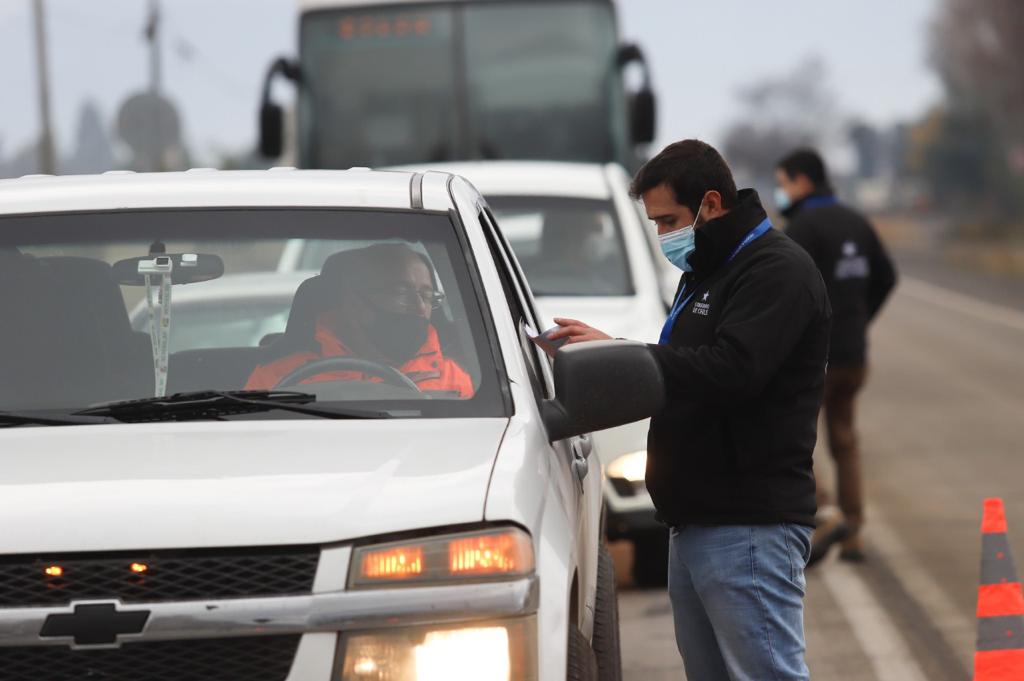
(631, 467)
(493, 651)
(485, 554)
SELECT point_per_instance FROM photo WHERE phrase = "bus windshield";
(488, 80)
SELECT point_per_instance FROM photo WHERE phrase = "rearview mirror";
(184, 268)
(603, 384)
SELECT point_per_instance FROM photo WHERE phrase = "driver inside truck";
(382, 299)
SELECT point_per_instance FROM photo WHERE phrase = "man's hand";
(576, 331)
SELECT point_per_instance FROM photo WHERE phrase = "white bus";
(391, 82)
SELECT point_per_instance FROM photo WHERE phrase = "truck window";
(89, 318)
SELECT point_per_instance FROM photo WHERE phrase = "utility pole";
(47, 156)
(155, 77)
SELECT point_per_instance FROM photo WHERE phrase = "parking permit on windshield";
(542, 340)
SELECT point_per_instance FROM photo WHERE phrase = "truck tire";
(582, 664)
(606, 621)
(650, 559)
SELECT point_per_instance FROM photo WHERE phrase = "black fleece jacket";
(858, 273)
(745, 368)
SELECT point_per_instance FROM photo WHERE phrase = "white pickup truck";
(396, 486)
(590, 253)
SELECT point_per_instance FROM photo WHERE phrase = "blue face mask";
(782, 200)
(678, 245)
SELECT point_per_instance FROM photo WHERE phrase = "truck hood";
(241, 483)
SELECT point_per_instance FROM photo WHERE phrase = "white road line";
(958, 302)
(956, 628)
(880, 639)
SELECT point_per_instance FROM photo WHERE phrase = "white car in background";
(589, 253)
(342, 524)
(245, 309)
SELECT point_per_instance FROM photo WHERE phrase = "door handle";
(581, 449)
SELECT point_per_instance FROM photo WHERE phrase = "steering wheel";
(326, 365)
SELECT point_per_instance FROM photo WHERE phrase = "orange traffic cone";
(1000, 650)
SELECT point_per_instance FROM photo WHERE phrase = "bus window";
(378, 87)
(542, 80)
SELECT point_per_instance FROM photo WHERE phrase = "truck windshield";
(121, 305)
(468, 80)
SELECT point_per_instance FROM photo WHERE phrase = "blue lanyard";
(818, 201)
(684, 300)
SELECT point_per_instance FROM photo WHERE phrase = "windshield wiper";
(44, 418)
(216, 404)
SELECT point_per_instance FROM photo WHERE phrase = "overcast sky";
(701, 52)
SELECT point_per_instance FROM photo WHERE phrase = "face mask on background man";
(782, 200)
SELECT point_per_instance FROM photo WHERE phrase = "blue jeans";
(737, 598)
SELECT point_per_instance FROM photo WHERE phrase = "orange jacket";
(429, 369)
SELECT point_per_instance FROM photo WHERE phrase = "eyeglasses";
(405, 296)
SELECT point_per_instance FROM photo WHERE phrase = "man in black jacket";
(859, 276)
(729, 459)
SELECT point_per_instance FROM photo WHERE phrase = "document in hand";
(542, 341)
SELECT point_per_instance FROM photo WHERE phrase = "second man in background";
(859, 276)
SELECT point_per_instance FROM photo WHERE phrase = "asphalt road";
(942, 426)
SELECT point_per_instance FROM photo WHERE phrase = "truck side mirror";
(271, 130)
(602, 384)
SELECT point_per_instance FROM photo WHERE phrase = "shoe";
(831, 529)
(852, 550)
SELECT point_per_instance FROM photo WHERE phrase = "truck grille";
(261, 658)
(150, 576)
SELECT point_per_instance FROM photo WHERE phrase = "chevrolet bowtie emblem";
(94, 624)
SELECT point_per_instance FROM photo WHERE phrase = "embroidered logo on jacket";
(852, 265)
(702, 307)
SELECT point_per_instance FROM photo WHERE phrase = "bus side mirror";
(271, 114)
(643, 116)
(642, 104)
(271, 130)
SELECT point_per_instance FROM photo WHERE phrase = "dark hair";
(691, 168)
(806, 162)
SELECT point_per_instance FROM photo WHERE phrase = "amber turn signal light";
(401, 562)
(482, 554)
(488, 554)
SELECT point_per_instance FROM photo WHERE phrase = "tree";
(779, 115)
(978, 49)
(868, 145)
(967, 149)
(93, 152)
